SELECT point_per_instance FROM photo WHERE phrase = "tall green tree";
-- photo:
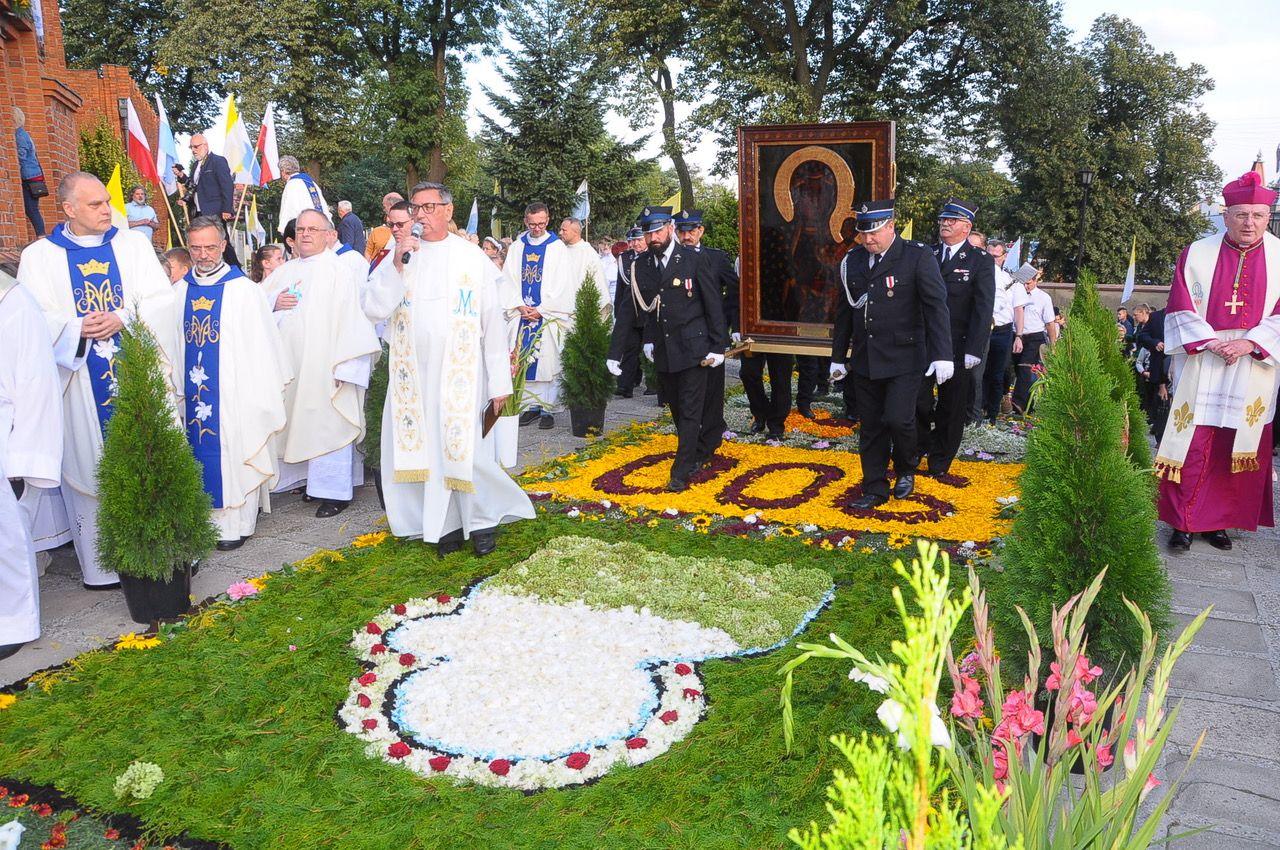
(98, 32)
(1133, 116)
(549, 133)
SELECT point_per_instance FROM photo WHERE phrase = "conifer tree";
(153, 516)
(585, 380)
(1084, 507)
(1087, 308)
(549, 134)
(375, 398)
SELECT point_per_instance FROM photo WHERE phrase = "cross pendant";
(1235, 304)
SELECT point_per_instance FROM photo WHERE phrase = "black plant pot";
(150, 599)
(583, 421)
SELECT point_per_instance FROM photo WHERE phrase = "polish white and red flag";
(268, 148)
(138, 148)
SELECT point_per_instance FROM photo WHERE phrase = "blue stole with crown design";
(312, 189)
(202, 333)
(532, 259)
(96, 287)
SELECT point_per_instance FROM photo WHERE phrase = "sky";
(1235, 41)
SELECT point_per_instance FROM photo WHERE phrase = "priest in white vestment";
(301, 192)
(449, 362)
(538, 298)
(329, 347)
(584, 265)
(231, 364)
(30, 454)
(89, 279)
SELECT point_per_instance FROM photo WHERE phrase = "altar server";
(89, 279)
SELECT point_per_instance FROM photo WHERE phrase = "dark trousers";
(1029, 357)
(713, 424)
(686, 392)
(994, 383)
(887, 407)
(630, 363)
(940, 427)
(772, 407)
(32, 207)
(813, 375)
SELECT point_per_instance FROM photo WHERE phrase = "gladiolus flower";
(1104, 756)
(873, 682)
(1130, 755)
(966, 702)
(1073, 738)
(1148, 786)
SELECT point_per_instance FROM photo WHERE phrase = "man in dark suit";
(628, 321)
(891, 323)
(684, 334)
(1149, 335)
(969, 275)
(719, 268)
(212, 190)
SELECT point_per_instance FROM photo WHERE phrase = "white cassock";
(537, 274)
(45, 269)
(30, 449)
(301, 193)
(443, 280)
(46, 514)
(584, 263)
(233, 393)
(329, 345)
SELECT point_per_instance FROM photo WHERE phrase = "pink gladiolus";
(1104, 756)
(1147, 787)
(1000, 762)
(1084, 671)
(1055, 677)
(1081, 705)
(966, 702)
(1020, 716)
(1073, 738)
(1130, 755)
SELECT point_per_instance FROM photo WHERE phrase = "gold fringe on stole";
(411, 476)
(459, 485)
(1169, 470)
(1241, 462)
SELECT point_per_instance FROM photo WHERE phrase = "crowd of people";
(269, 369)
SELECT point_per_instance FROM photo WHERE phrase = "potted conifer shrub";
(153, 514)
(585, 383)
(1085, 506)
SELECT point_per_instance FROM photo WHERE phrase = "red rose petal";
(637, 743)
(367, 679)
(373, 629)
(400, 609)
(377, 649)
(407, 659)
(692, 693)
(363, 701)
(398, 750)
(370, 723)
(439, 763)
(669, 717)
(500, 766)
(683, 669)
(577, 761)
(445, 599)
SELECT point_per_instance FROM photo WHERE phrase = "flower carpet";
(799, 487)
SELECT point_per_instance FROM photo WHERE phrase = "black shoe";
(9, 649)
(115, 585)
(546, 422)
(620, 393)
(1180, 541)
(331, 507)
(450, 543)
(228, 545)
(529, 417)
(914, 463)
(866, 502)
(776, 435)
(806, 411)
(757, 426)
(650, 391)
(675, 485)
(934, 472)
(904, 486)
(1218, 540)
(484, 542)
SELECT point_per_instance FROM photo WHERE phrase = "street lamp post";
(1085, 178)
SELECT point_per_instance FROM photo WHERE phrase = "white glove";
(735, 337)
(648, 351)
(838, 371)
(716, 359)
(970, 361)
(942, 370)
(614, 367)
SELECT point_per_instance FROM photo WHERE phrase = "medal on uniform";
(688, 286)
(888, 282)
(675, 281)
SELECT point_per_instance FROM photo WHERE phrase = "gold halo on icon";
(844, 185)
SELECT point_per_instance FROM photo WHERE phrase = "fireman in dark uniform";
(891, 330)
(628, 323)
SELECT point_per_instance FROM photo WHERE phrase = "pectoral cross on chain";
(1235, 303)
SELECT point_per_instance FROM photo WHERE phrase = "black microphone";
(416, 231)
